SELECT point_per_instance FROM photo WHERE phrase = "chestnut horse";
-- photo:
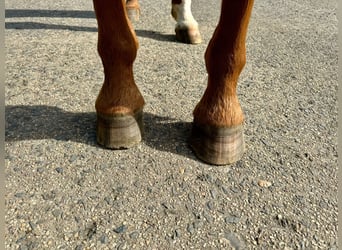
(186, 28)
(217, 131)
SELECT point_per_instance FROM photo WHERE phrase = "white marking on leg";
(182, 14)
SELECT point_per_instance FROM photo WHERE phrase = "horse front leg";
(217, 134)
(187, 27)
(119, 104)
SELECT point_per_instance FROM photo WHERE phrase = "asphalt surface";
(63, 191)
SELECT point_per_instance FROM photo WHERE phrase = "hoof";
(217, 146)
(119, 131)
(186, 35)
(133, 14)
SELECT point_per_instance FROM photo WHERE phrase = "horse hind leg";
(187, 27)
(133, 10)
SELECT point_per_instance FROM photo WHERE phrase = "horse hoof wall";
(217, 146)
(187, 35)
(119, 131)
(133, 14)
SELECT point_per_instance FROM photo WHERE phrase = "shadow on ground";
(19, 13)
(47, 122)
(14, 13)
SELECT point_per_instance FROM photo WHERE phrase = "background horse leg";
(133, 10)
(186, 28)
(217, 135)
(119, 104)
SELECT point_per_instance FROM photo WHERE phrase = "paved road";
(63, 191)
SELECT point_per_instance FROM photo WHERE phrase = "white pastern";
(183, 16)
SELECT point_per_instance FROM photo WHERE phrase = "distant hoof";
(187, 35)
(133, 14)
(217, 146)
(119, 131)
